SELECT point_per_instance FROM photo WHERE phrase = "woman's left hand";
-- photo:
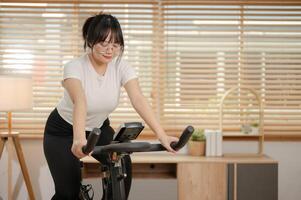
(167, 140)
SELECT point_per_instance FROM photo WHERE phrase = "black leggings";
(64, 166)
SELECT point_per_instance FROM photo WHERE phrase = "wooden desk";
(210, 178)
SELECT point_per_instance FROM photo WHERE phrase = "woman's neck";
(99, 67)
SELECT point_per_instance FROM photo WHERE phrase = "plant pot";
(196, 148)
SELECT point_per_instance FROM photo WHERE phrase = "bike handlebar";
(175, 145)
(122, 148)
(92, 140)
(130, 147)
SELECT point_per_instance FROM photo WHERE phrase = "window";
(186, 54)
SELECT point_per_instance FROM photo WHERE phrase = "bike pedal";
(122, 176)
(105, 174)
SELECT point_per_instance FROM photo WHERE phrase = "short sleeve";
(72, 70)
(127, 73)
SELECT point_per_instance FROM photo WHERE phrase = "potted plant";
(196, 144)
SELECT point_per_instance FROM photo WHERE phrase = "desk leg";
(202, 181)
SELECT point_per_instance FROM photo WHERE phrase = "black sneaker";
(86, 192)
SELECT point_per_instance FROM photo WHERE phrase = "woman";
(92, 85)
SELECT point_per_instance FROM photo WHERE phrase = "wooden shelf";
(239, 134)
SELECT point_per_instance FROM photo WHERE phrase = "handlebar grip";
(92, 140)
(183, 138)
(175, 145)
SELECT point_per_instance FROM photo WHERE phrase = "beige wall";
(287, 153)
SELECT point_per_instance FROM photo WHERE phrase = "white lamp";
(16, 95)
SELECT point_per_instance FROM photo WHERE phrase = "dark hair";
(97, 28)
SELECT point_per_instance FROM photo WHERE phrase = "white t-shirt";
(102, 91)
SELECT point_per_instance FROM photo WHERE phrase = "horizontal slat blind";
(37, 38)
(57, 39)
(186, 53)
(272, 63)
(202, 53)
(213, 46)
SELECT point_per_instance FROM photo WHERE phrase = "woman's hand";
(77, 147)
(166, 141)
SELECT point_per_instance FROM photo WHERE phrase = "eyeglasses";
(106, 45)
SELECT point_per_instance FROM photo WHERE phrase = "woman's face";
(105, 51)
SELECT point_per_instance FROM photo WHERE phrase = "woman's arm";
(77, 95)
(143, 108)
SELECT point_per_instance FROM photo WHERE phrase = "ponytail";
(85, 30)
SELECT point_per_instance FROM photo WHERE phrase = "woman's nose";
(110, 49)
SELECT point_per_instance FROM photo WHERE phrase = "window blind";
(187, 54)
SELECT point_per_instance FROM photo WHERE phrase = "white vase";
(254, 130)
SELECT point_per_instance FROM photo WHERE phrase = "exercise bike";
(114, 171)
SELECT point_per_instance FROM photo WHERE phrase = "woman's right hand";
(77, 146)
